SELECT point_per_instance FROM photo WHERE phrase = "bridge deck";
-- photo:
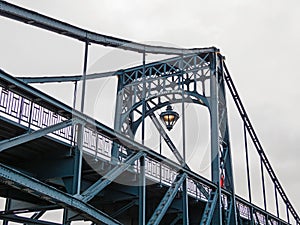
(51, 160)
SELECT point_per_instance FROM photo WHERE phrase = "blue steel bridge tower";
(190, 78)
(54, 157)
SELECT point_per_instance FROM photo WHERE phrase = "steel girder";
(50, 24)
(35, 187)
(166, 200)
(25, 90)
(72, 78)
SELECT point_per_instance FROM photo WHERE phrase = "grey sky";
(260, 40)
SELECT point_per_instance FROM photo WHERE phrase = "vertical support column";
(251, 216)
(263, 184)
(142, 192)
(185, 203)
(84, 76)
(276, 201)
(117, 119)
(80, 131)
(225, 146)
(287, 214)
(74, 94)
(183, 112)
(160, 152)
(65, 217)
(214, 118)
(144, 101)
(78, 160)
(7, 207)
(247, 164)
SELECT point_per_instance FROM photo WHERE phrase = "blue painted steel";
(209, 210)
(71, 78)
(45, 22)
(5, 144)
(166, 200)
(31, 97)
(19, 180)
(123, 141)
(257, 143)
(109, 177)
(19, 219)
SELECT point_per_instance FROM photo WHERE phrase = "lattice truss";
(159, 84)
(186, 78)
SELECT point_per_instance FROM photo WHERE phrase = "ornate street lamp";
(169, 117)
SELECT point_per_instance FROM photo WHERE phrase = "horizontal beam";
(12, 142)
(35, 19)
(25, 220)
(60, 79)
(21, 181)
(97, 187)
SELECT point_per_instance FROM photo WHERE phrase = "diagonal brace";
(28, 221)
(97, 187)
(35, 187)
(25, 220)
(124, 208)
(166, 200)
(174, 149)
(167, 138)
(12, 142)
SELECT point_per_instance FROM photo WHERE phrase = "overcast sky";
(260, 40)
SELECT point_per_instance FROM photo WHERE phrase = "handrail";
(16, 86)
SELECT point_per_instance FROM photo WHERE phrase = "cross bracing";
(107, 134)
(95, 191)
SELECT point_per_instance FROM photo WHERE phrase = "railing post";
(30, 114)
(21, 109)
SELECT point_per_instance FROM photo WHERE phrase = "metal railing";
(31, 113)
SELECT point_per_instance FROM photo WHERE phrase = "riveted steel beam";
(21, 181)
(166, 200)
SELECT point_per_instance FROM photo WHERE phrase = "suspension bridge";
(56, 157)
